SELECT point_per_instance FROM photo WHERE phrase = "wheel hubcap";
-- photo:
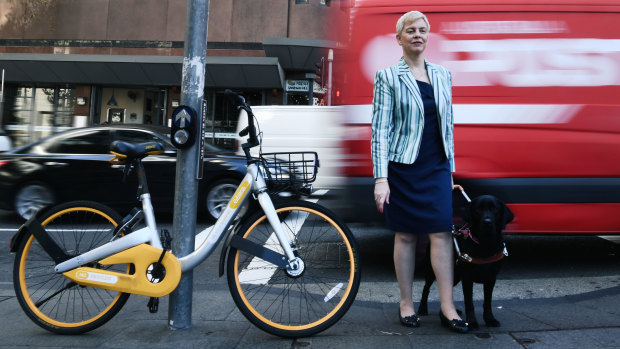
(218, 198)
(299, 267)
(30, 199)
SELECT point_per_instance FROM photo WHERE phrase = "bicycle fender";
(225, 248)
(24, 230)
(17, 238)
(259, 251)
(34, 226)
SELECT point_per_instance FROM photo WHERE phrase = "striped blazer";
(398, 115)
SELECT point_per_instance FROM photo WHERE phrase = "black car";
(73, 165)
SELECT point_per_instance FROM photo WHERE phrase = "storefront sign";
(226, 135)
(297, 85)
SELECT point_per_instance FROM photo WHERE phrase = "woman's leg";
(404, 264)
(442, 261)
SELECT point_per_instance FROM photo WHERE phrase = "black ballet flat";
(409, 321)
(454, 325)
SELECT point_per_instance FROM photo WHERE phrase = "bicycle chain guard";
(141, 256)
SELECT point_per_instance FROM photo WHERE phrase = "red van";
(536, 92)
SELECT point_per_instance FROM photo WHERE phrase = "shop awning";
(233, 72)
(247, 72)
(297, 54)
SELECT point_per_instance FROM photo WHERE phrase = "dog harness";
(464, 231)
(475, 260)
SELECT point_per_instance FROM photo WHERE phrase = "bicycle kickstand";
(158, 271)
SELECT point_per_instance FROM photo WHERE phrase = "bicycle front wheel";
(48, 298)
(296, 304)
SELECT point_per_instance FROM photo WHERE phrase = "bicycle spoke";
(68, 286)
(50, 299)
(306, 302)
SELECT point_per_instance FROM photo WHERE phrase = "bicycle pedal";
(153, 305)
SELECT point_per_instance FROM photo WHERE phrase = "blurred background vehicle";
(5, 141)
(536, 112)
(73, 165)
(299, 128)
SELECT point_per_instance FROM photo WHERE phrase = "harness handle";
(465, 194)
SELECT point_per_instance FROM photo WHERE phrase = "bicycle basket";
(290, 168)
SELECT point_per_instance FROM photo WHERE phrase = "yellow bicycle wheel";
(48, 298)
(306, 301)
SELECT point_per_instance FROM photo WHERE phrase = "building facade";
(72, 63)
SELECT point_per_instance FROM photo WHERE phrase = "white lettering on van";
(510, 62)
(534, 62)
(503, 27)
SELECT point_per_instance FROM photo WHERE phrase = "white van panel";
(301, 128)
(5, 143)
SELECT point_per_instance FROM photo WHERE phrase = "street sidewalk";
(588, 320)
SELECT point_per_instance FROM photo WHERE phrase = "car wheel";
(32, 197)
(218, 196)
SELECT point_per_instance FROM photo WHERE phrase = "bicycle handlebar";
(240, 103)
(234, 98)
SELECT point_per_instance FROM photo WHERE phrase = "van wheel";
(31, 197)
(219, 194)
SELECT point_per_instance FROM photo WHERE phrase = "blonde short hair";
(409, 17)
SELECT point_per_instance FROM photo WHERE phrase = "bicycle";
(292, 268)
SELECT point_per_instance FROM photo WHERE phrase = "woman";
(413, 157)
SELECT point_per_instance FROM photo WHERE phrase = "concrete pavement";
(586, 320)
(567, 299)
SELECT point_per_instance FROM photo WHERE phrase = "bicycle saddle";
(124, 151)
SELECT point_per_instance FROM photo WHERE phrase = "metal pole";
(2, 101)
(186, 185)
(330, 59)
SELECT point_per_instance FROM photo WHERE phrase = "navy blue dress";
(421, 193)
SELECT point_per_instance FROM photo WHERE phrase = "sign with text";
(297, 85)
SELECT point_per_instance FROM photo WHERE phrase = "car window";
(137, 136)
(94, 142)
(212, 148)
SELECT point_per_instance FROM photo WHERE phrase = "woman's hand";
(455, 186)
(382, 193)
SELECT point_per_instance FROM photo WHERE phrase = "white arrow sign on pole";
(182, 118)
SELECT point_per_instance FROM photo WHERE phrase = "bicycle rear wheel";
(52, 301)
(296, 305)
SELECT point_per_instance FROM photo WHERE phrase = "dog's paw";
(422, 310)
(492, 322)
(473, 325)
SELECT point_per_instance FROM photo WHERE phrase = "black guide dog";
(481, 250)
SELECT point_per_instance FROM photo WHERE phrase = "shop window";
(297, 99)
(33, 113)
(223, 117)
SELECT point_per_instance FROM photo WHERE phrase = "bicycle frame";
(252, 182)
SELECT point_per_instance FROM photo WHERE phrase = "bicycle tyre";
(52, 301)
(296, 306)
